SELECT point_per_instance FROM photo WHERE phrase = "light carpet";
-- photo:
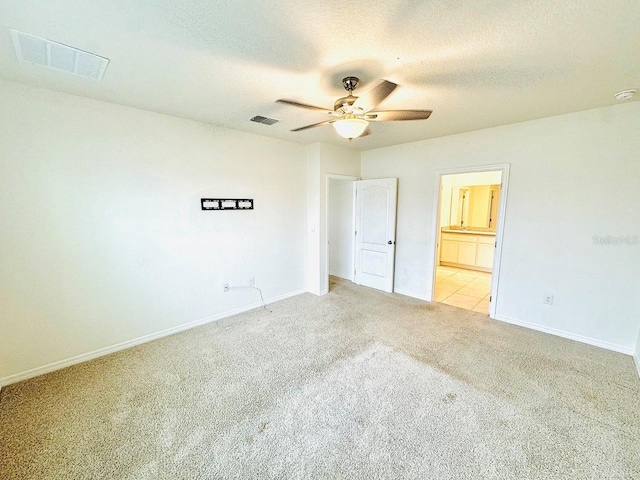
(357, 384)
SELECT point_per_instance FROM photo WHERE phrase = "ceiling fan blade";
(312, 126)
(395, 115)
(373, 97)
(304, 105)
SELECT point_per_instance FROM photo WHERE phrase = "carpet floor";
(356, 384)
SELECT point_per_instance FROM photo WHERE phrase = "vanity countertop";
(472, 232)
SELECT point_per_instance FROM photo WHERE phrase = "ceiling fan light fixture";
(350, 127)
(351, 114)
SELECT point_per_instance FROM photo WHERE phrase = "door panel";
(374, 263)
(376, 232)
(374, 225)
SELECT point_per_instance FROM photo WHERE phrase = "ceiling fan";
(354, 113)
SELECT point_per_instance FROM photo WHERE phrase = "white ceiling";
(476, 64)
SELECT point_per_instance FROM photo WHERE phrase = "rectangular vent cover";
(265, 120)
(40, 51)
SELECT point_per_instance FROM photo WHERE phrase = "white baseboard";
(317, 293)
(407, 293)
(34, 372)
(571, 336)
(636, 360)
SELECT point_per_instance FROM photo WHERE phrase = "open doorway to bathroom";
(469, 215)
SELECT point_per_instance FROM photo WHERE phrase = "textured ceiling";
(476, 64)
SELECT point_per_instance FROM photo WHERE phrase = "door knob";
(390, 242)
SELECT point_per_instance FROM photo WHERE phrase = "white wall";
(323, 159)
(572, 177)
(102, 236)
(636, 355)
(340, 228)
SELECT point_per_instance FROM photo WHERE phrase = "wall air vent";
(265, 120)
(40, 51)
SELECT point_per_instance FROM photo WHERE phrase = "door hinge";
(356, 232)
(489, 298)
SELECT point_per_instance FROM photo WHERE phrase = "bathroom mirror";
(474, 207)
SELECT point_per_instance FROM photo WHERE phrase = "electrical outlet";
(226, 287)
(547, 299)
(252, 281)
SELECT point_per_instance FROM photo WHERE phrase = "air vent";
(40, 51)
(265, 120)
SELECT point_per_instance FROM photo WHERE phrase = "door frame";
(497, 257)
(329, 176)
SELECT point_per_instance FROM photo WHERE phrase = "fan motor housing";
(350, 83)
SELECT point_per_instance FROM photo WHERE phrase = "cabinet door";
(484, 256)
(467, 253)
(449, 251)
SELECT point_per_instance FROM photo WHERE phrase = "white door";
(376, 232)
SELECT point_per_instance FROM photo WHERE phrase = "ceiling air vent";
(40, 51)
(265, 120)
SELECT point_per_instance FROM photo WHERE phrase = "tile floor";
(462, 288)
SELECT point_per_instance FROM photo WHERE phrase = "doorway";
(340, 227)
(361, 227)
(468, 236)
